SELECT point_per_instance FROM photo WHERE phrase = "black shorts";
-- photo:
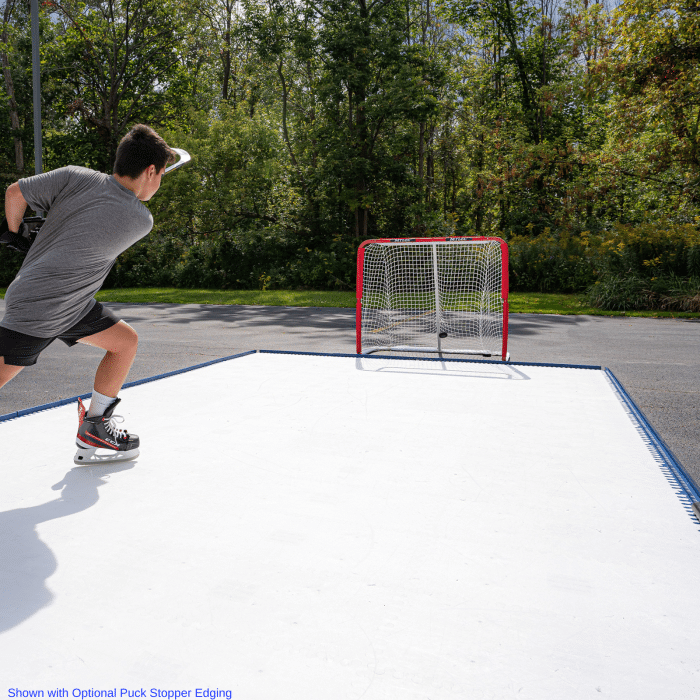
(23, 350)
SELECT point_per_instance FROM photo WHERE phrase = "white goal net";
(445, 295)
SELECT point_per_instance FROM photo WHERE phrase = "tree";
(524, 122)
(374, 84)
(653, 73)
(9, 84)
(118, 62)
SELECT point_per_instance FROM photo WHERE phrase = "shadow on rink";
(25, 561)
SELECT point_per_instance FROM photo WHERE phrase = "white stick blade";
(184, 158)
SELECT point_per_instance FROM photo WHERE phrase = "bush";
(650, 251)
(633, 293)
(550, 262)
(627, 268)
(649, 266)
(262, 259)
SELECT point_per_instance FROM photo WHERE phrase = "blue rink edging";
(73, 399)
(687, 490)
(426, 359)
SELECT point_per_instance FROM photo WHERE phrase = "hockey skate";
(100, 441)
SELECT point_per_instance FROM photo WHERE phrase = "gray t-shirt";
(91, 219)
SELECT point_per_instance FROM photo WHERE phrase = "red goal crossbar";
(361, 286)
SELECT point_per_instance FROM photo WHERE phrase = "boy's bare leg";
(121, 342)
(8, 372)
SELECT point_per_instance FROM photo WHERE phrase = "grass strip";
(519, 302)
(251, 297)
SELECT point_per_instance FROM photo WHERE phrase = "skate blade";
(89, 456)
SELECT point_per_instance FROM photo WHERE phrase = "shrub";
(650, 251)
(550, 262)
(630, 267)
(261, 259)
(649, 266)
(632, 293)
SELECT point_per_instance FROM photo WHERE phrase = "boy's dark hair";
(140, 148)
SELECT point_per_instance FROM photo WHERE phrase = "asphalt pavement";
(656, 360)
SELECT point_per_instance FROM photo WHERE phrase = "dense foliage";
(570, 128)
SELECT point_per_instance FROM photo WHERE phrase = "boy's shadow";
(25, 561)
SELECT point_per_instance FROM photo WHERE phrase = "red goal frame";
(504, 279)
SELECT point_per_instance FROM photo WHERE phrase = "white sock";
(99, 404)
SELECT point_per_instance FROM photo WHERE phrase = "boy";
(92, 218)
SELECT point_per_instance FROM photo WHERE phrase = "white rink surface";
(318, 528)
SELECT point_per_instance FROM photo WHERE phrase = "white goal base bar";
(442, 351)
(433, 295)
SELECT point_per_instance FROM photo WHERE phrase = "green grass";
(573, 304)
(215, 296)
(520, 302)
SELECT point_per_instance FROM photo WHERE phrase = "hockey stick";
(184, 158)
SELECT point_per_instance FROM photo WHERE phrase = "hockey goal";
(444, 295)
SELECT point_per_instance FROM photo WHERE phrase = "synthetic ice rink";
(319, 527)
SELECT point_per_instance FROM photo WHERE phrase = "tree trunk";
(10, 89)
(421, 153)
(425, 23)
(359, 127)
(285, 130)
(430, 166)
(226, 58)
(361, 216)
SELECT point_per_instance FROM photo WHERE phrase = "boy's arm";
(15, 206)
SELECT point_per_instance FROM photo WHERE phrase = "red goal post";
(444, 295)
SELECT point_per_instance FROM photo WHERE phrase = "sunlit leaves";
(654, 66)
(119, 62)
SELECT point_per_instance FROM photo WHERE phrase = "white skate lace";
(111, 428)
